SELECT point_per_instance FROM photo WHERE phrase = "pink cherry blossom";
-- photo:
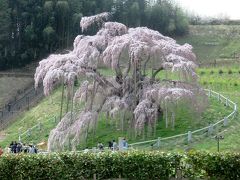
(135, 57)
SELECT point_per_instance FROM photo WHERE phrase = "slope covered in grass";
(43, 118)
(44, 113)
(210, 42)
(229, 85)
(213, 42)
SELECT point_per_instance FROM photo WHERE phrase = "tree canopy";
(133, 94)
(33, 29)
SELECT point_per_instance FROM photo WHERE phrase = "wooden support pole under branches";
(61, 109)
(72, 95)
(68, 99)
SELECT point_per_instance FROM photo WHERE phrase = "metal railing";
(37, 129)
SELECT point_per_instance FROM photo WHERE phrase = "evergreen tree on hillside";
(4, 30)
(31, 29)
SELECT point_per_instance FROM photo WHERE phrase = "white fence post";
(210, 129)
(158, 142)
(209, 93)
(39, 126)
(235, 111)
(189, 136)
(227, 102)
(29, 132)
(218, 97)
(225, 122)
(19, 135)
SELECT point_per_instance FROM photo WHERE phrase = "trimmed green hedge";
(214, 165)
(128, 165)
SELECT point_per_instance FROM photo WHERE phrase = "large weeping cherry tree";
(135, 95)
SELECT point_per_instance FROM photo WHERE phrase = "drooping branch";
(102, 81)
(156, 72)
(88, 21)
(145, 65)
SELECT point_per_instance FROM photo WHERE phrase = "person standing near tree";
(115, 146)
(110, 145)
(100, 146)
(31, 149)
(125, 144)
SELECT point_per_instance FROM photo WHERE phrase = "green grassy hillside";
(45, 112)
(229, 85)
(49, 108)
(214, 42)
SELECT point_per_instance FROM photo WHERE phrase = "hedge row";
(127, 165)
(214, 165)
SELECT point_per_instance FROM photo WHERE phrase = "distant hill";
(214, 42)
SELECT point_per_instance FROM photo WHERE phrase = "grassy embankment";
(214, 42)
(45, 111)
(208, 41)
(228, 84)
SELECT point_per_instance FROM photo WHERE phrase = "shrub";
(202, 72)
(214, 165)
(128, 165)
(220, 71)
(211, 72)
(230, 71)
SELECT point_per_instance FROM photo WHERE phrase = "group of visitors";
(19, 147)
(113, 145)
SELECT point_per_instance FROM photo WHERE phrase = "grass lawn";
(229, 85)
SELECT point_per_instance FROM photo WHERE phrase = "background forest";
(32, 29)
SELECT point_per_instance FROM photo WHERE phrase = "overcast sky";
(231, 8)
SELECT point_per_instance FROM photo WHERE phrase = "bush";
(230, 71)
(215, 165)
(129, 165)
(211, 72)
(202, 72)
(220, 71)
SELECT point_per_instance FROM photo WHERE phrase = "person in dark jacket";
(110, 145)
(14, 147)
